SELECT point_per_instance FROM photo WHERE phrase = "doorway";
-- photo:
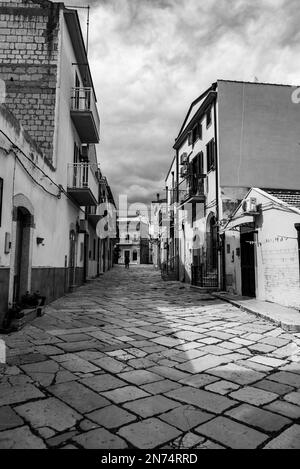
(21, 267)
(248, 264)
(126, 254)
(72, 259)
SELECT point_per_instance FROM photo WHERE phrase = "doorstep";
(287, 318)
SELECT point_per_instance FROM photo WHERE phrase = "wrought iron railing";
(204, 276)
(81, 176)
(189, 188)
(169, 268)
(83, 99)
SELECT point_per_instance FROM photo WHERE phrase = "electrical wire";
(29, 174)
(60, 188)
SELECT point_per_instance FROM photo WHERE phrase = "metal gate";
(204, 276)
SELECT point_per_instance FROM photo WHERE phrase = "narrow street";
(130, 361)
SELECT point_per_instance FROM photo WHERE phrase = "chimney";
(157, 197)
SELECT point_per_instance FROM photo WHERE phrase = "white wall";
(276, 254)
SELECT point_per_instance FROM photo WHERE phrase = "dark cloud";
(151, 58)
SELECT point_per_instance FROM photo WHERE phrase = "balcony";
(85, 115)
(129, 241)
(191, 190)
(82, 185)
(95, 213)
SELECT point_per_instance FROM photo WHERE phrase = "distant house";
(262, 247)
(133, 240)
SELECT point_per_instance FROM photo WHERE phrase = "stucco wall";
(276, 255)
(53, 216)
(258, 136)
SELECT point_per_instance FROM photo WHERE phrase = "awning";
(237, 222)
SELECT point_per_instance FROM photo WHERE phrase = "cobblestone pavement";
(131, 361)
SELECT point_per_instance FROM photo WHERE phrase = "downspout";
(220, 280)
(176, 231)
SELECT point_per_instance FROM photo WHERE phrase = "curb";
(287, 326)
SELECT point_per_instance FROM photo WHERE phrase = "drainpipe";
(220, 280)
(176, 224)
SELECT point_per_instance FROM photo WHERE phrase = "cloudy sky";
(151, 58)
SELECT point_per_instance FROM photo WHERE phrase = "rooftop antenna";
(87, 23)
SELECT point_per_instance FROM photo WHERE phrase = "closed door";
(248, 264)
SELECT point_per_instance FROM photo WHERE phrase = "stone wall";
(28, 65)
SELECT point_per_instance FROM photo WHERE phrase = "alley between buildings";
(129, 360)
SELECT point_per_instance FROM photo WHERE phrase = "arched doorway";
(22, 261)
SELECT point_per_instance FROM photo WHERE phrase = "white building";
(49, 172)
(262, 251)
(236, 135)
(133, 240)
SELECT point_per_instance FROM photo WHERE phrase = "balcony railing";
(82, 184)
(85, 114)
(191, 190)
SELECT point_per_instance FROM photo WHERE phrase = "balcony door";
(77, 92)
(197, 170)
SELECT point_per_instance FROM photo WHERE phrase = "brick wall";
(281, 277)
(28, 64)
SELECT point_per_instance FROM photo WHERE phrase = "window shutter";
(213, 153)
(200, 130)
(201, 162)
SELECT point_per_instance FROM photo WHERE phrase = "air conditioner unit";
(83, 226)
(183, 158)
(250, 205)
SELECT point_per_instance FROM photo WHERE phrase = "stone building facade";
(29, 36)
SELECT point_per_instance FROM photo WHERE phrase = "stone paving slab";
(20, 438)
(103, 382)
(256, 417)
(78, 396)
(148, 434)
(151, 406)
(111, 417)
(48, 413)
(289, 439)
(232, 434)
(186, 417)
(128, 360)
(124, 394)
(15, 394)
(100, 439)
(203, 399)
(9, 418)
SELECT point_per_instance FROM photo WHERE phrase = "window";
(210, 154)
(196, 133)
(1, 197)
(127, 237)
(134, 255)
(208, 117)
(196, 173)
